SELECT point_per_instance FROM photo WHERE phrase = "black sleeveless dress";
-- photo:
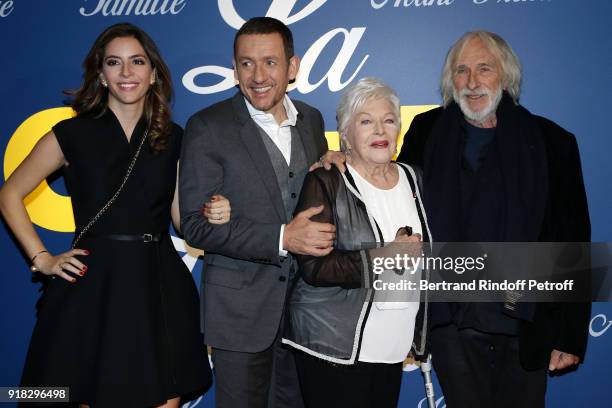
(127, 333)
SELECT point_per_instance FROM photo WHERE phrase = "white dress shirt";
(280, 134)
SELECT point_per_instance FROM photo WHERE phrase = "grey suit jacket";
(244, 280)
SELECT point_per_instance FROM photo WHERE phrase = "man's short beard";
(494, 99)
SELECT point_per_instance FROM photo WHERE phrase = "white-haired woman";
(350, 343)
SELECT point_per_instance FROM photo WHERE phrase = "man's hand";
(560, 360)
(305, 237)
(330, 158)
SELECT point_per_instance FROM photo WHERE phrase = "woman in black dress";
(118, 321)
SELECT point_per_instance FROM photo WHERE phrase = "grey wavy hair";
(510, 65)
(357, 95)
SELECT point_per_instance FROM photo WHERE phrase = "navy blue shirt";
(475, 140)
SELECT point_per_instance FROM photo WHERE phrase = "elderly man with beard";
(494, 172)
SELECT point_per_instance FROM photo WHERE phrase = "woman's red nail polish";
(86, 252)
(82, 273)
(73, 280)
(84, 267)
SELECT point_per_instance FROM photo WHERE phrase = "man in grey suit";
(255, 149)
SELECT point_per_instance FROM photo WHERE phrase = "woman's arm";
(44, 159)
(338, 268)
(347, 269)
(217, 210)
(174, 208)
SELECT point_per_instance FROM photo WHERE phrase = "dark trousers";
(256, 380)
(364, 385)
(477, 369)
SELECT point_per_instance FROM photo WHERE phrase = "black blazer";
(565, 218)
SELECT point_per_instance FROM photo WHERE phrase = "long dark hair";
(92, 98)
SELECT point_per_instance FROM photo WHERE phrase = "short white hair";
(510, 65)
(361, 92)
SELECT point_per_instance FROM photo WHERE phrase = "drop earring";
(345, 146)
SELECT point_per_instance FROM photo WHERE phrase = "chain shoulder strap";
(114, 197)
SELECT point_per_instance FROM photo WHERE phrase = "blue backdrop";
(565, 47)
